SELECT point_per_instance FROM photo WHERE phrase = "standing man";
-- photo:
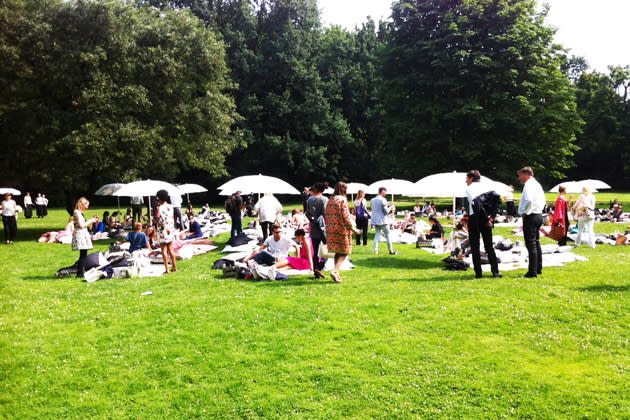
(380, 210)
(136, 208)
(176, 203)
(479, 224)
(530, 209)
(235, 214)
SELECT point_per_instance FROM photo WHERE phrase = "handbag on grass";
(322, 252)
(557, 231)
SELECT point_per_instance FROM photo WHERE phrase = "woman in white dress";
(166, 229)
(81, 240)
(584, 211)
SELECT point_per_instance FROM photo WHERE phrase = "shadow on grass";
(604, 288)
(396, 261)
(44, 278)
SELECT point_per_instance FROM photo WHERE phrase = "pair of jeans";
(266, 229)
(237, 225)
(318, 263)
(363, 225)
(586, 223)
(264, 257)
(531, 232)
(475, 229)
(10, 227)
(377, 236)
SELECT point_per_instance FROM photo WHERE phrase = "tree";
(604, 144)
(476, 83)
(111, 92)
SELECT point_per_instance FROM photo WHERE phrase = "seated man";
(137, 239)
(194, 230)
(437, 231)
(275, 248)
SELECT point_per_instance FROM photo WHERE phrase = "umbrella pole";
(150, 222)
(453, 207)
(118, 198)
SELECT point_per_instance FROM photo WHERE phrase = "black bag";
(230, 271)
(222, 263)
(486, 206)
(229, 205)
(454, 264)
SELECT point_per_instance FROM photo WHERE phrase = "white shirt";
(474, 190)
(28, 201)
(137, 200)
(280, 248)
(176, 200)
(268, 208)
(532, 199)
(9, 208)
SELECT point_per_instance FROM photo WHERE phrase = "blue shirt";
(98, 228)
(137, 240)
(380, 210)
(196, 229)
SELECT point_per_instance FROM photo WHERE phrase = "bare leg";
(164, 248)
(172, 254)
(281, 264)
(339, 259)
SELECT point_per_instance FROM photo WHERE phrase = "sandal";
(335, 276)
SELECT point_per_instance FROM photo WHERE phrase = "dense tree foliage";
(475, 83)
(604, 144)
(101, 91)
(104, 91)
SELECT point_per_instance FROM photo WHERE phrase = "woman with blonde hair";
(339, 228)
(81, 240)
(584, 211)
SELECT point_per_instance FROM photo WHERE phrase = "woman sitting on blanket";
(305, 260)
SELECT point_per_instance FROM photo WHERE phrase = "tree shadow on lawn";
(603, 288)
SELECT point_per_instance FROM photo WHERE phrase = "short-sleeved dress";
(338, 225)
(166, 226)
(81, 238)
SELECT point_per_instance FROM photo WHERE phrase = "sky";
(594, 29)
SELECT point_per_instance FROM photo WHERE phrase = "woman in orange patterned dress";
(339, 228)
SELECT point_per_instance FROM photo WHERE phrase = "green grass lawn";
(399, 338)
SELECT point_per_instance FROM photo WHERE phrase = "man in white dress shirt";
(530, 209)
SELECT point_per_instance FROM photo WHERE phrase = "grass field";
(399, 338)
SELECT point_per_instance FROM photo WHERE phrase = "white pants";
(587, 223)
(377, 237)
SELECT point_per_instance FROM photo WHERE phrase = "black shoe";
(530, 276)
(393, 253)
(497, 275)
(539, 273)
(478, 276)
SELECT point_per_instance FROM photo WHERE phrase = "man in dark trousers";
(531, 209)
(479, 224)
(235, 214)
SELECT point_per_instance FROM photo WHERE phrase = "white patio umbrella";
(190, 189)
(452, 184)
(354, 187)
(328, 190)
(573, 187)
(259, 184)
(596, 184)
(146, 188)
(110, 189)
(7, 190)
(393, 186)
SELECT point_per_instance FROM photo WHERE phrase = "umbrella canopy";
(146, 188)
(109, 189)
(574, 187)
(329, 190)
(393, 186)
(354, 187)
(596, 184)
(452, 184)
(257, 184)
(13, 191)
(191, 188)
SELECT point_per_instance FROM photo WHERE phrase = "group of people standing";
(40, 205)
